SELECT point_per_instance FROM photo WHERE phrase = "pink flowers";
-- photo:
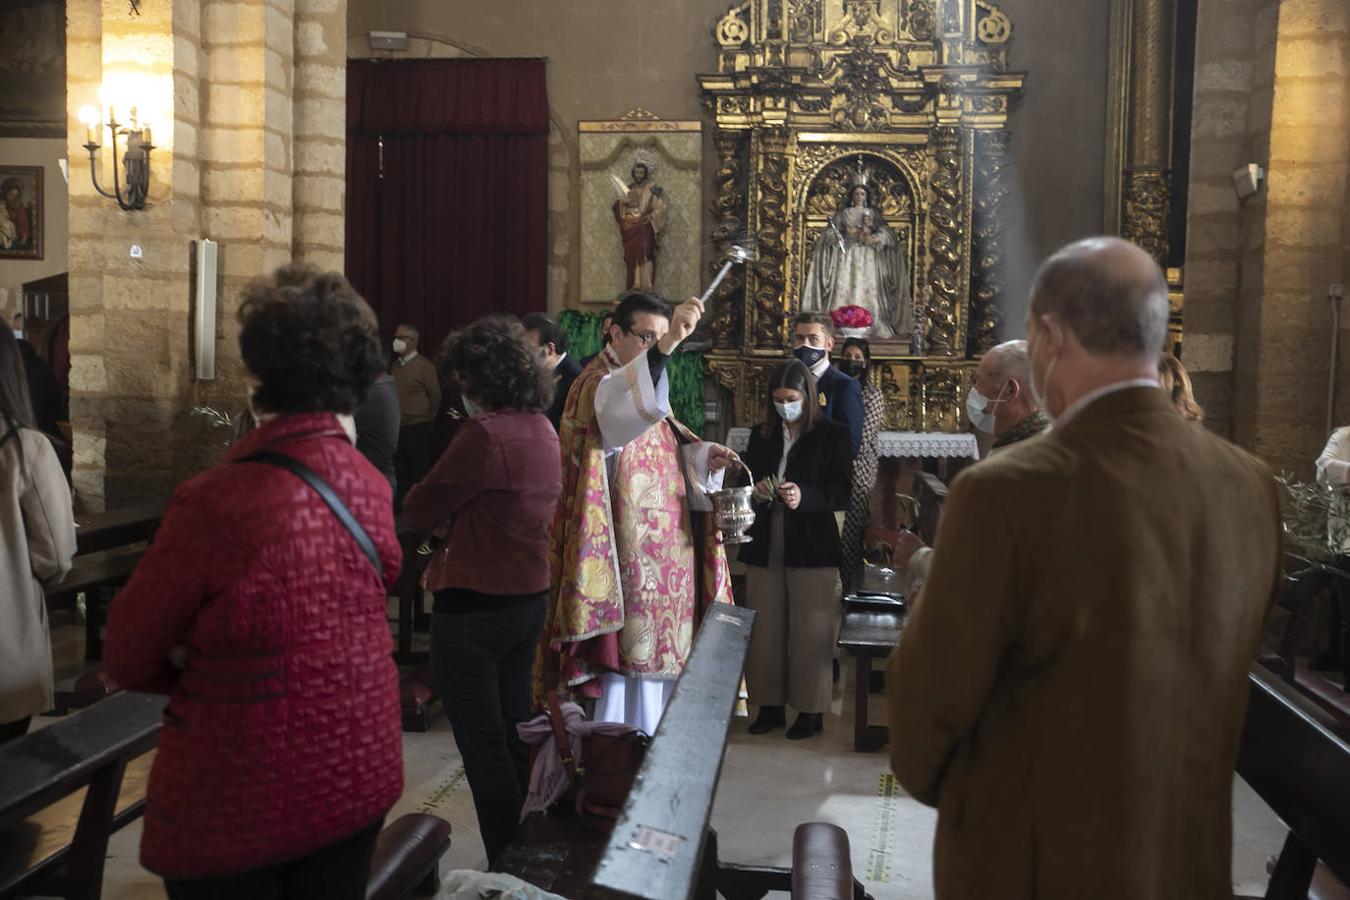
(851, 317)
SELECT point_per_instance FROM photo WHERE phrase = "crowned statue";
(858, 261)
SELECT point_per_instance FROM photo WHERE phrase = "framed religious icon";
(641, 201)
(21, 213)
(857, 264)
(33, 68)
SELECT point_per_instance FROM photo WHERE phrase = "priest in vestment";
(634, 555)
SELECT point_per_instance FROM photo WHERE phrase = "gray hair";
(412, 331)
(1012, 361)
(1109, 293)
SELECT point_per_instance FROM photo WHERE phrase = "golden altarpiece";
(915, 95)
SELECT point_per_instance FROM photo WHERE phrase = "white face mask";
(977, 407)
(790, 411)
(400, 345)
(471, 408)
(18, 334)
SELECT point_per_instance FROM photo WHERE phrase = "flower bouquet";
(852, 321)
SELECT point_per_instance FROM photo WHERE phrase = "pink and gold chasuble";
(624, 554)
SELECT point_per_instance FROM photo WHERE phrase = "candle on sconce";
(89, 116)
(145, 135)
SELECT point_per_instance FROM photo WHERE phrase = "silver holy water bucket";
(732, 512)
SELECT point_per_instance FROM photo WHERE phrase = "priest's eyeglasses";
(648, 338)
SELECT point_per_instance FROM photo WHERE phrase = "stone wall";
(246, 100)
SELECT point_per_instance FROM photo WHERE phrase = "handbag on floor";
(601, 779)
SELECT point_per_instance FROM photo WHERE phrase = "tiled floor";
(768, 786)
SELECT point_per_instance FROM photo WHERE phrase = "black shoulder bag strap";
(328, 496)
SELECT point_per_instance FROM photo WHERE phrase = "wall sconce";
(136, 162)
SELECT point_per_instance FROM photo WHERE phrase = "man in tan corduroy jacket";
(1071, 684)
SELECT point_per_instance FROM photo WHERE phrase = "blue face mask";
(809, 355)
(471, 408)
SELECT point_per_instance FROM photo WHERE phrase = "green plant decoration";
(1314, 519)
(685, 369)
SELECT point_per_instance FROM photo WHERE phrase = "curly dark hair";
(494, 367)
(310, 339)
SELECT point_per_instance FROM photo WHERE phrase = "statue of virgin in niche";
(858, 261)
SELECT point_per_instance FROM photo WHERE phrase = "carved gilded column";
(988, 252)
(771, 212)
(945, 247)
(1146, 185)
(729, 214)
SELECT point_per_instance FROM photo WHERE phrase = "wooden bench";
(95, 575)
(930, 494)
(94, 752)
(1298, 599)
(1296, 756)
(870, 631)
(66, 788)
(117, 528)
(662, 845)
(108, 547)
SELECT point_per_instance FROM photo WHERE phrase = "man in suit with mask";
(840, 396)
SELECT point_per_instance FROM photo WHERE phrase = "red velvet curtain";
(447, 190)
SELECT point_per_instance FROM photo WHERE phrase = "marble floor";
(768, 786)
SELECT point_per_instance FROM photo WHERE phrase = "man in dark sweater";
(550, 342)
(377, 427)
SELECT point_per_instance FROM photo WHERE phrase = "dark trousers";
(482, 653)
(412, 459)
(12, 731)
(337, 872)
(1342, 586)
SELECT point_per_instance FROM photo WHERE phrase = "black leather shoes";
(807, 725)
(769, 718)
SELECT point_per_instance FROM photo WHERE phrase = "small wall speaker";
(388, 40)
(1247, 180)
(204, 317)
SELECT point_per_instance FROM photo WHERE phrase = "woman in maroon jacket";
(263, 618)
(495, 488)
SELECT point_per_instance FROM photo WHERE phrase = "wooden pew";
(931, 494)
(870, 631)
(89, 752)
(107, 551)
(92, 575)
(672, 798)
(1296, 756)
(662, 846)
(118, 527)
(66, 788)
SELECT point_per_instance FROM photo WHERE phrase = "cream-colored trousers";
(796, 623)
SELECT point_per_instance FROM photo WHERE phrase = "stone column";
(1224, 75)
(129, 270)
(1146, 189)
(320, 131)
(1295, 233)
(247, 102)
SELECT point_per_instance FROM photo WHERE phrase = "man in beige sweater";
(419, 399)
(1070, 687)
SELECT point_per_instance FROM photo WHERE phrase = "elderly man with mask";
(1001, 402)
(1072, 682)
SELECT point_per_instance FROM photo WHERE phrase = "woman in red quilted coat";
(263, 619)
